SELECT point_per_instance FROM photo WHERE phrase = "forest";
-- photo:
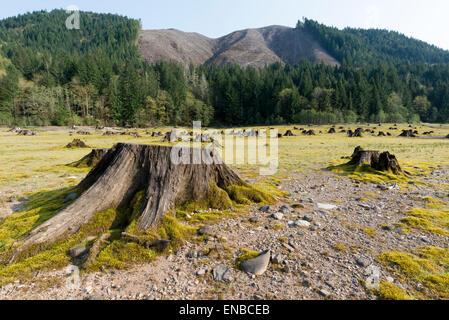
(50, 75)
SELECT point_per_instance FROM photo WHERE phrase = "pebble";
(277, 216)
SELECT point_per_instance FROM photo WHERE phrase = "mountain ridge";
(255, 47)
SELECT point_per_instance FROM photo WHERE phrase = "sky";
(422, 19)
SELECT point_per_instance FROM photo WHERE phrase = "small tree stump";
(77, 143)
(408, 134)
(379, 161)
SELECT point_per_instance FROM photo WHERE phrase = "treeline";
(365, 47)
(53, 76)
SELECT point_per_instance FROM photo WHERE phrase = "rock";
(201, 272)
(362, 262)
(325, 206)
(70, 197)
(265, 209)
(284, 210)
(308, 217)
(293, 245)
(192, 255)
(254, 220)
(222, 273)
(277, 216)
(306, 283)
(206, 231)
(364, 206)
(78, 251)
(95, 298)
(88, 290)
(276, 258)
(323, 293)
(258, 265)
(299, 223)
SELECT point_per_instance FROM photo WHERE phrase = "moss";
(216, 198)
(245, 255)
(340, 247)
(245, 194)
(427, 265)
(203, 217)
(370, 232)
(430, 220)
(55, 255)
(389, 291)
(371, 195)
(39, 208)
(121, 255)
(365, 173)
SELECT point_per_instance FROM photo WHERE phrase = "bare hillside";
(251, 47)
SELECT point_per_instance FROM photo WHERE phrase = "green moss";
(55, 255)
(203, 217)
(370, 232)
(246, 194)
(389, 291)
(340, 247)
(245, 255)
(39, 208)
(428, 266)
(122, 255)
(365, 173)
(430, 220)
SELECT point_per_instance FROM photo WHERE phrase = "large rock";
(258, 265)
(222, 273)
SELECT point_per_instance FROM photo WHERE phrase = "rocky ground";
(324, 247)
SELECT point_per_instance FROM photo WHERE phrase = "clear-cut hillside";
(251, 47)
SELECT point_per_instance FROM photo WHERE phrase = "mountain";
(309, 40)
(110, 72)
(251, 47)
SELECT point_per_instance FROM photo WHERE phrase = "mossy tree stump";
(379, 161)
(127, 169)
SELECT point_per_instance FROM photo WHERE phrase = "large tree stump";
(379, 161)
(127, 169)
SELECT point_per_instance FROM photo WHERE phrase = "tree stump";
(127, 169)
(408, 134)
(77, 143)
(379, 161)
(358, 133)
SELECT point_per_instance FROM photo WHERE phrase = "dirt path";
(325, 260)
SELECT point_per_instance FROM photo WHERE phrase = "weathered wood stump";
(358, 133)
(77, 143)
(127, 169)
(379, 161)
(408, 134)
(26, 133)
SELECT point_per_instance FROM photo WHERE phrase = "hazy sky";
(423, 19)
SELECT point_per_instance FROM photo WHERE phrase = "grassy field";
(39, 162)
(37, 167)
